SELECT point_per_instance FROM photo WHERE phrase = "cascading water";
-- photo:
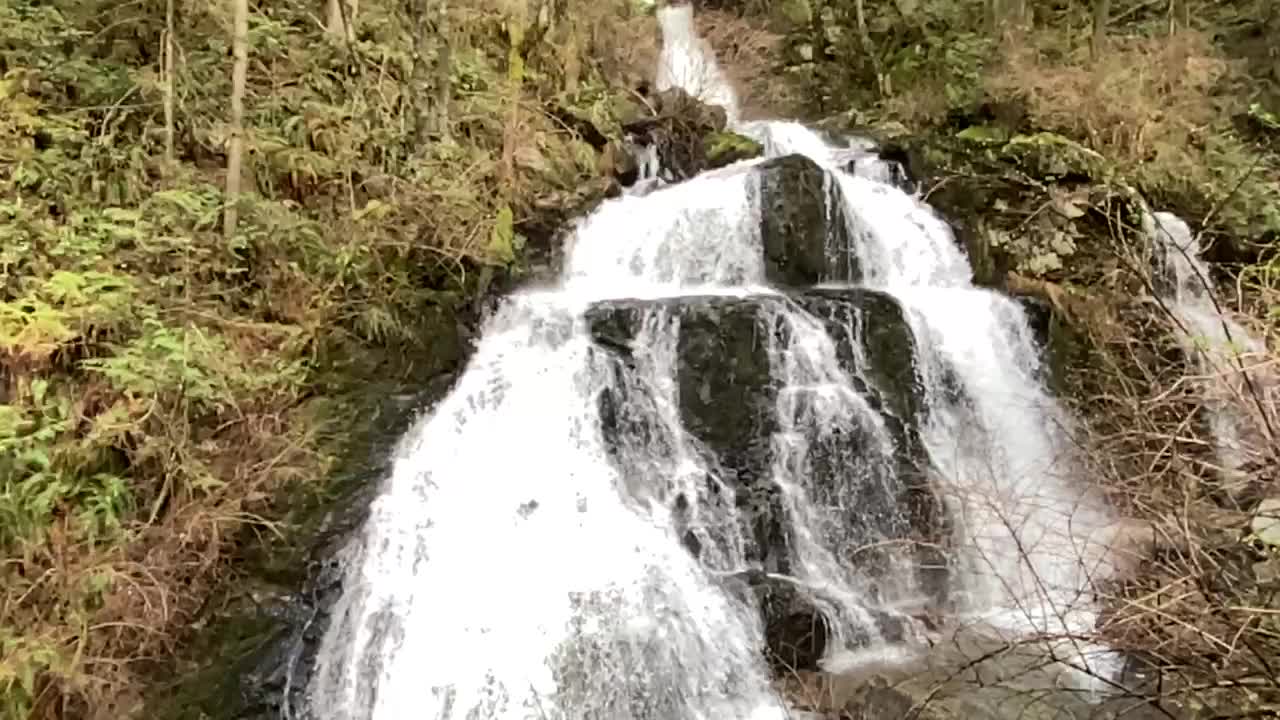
(1224, 350)
(998, 440)
(686, 62)
(566, 535)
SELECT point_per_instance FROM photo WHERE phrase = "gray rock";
(802, 225)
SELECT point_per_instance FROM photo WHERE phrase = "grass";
(163, 386)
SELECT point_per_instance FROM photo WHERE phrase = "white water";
(1003, 450)
(517, 566)
(686, 62)
(1226, 352)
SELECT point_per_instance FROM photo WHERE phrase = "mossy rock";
(726, 147)
(791, 15)
(1038, 204)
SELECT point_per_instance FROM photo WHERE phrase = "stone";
(1123, 545)
(678, 130)
(802, 225)
(878, 701)
(728, 398)
(791, 15)
(1267, 572)
(725, 148)
(1265, 524)
(795, 629)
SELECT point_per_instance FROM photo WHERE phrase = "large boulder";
(727, 398)
(802, 225)
(727, 390)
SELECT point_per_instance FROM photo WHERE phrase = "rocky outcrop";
(802, 225)
(728, 380)
(688, 135)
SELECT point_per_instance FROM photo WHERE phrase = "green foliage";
(44, 470)
(153, 369)
(726, 147)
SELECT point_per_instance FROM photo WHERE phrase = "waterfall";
(641, 460)
(1236, 389)
(686, 62)
(999, 442)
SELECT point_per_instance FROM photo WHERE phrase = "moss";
(726, 147)
(794, 13)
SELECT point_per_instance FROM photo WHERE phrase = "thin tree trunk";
(444, 86)
(419, 81)
(1101, 16)
(515, 82)
(1179, 15)
(342, 19)
(239, 71)
(167, 73)
(864, 36)
(334, 25)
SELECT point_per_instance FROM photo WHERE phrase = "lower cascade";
(763, 421)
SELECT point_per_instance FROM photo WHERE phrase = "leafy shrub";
(155, 373)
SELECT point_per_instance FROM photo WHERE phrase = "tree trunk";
(239, 71)
(516, 26)
(444, 87)
(333, 25)
(868, 47)
(1101, 16)
(166, 55)
(342, 19)
(420, 82)
(1179, 15)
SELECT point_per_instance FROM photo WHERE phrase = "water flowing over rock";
(1222, 348)
(763, 421)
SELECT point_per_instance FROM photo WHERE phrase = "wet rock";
(727, 398)
(679, 130)
(795, 628)
(728, 402)
(802, 225)
(885, 372)
(878, 701)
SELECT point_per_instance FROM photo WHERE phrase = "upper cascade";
(690, 463)
(687, 62)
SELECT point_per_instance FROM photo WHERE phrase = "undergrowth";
(1186, 114)
(159, 379)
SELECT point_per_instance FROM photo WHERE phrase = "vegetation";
(215, 217)
(1042, 130)
(1181, 96)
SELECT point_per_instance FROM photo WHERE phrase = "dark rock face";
(883, 370)
(727, 398)
(802, 225)
(795, 628)
(728, 392)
